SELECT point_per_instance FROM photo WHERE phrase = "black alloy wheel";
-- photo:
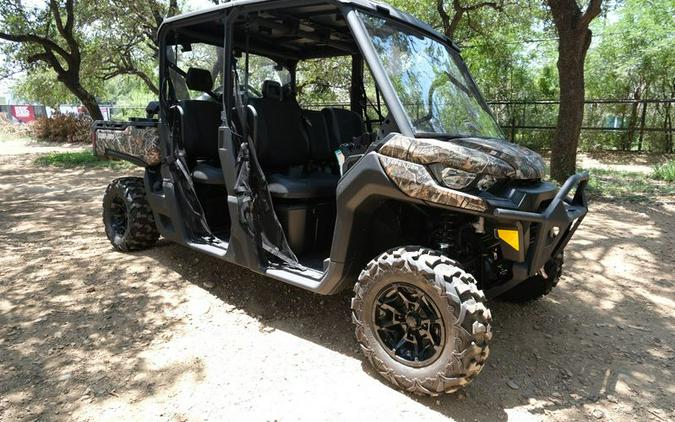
(409, 325)
(118, 217)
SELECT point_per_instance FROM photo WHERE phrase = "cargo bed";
(136, 141)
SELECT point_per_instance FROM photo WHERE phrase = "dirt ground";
(25, 146)
(87, 333)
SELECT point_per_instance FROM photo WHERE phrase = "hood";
(495, 157)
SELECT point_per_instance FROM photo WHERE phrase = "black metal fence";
(627, 125)
(124, 113)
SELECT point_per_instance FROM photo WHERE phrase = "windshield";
(432, 84)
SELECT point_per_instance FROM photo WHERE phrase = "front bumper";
(544, 234)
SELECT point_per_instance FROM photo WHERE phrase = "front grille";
(534, 231)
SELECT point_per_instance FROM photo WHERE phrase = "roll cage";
(287, 31)
(221, 26)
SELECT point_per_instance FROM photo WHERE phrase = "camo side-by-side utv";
(411, 195)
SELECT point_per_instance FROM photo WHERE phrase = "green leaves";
(636, 53)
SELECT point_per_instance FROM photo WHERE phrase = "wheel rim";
(118, 217)
(408, 325)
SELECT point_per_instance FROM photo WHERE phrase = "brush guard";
(555, 226)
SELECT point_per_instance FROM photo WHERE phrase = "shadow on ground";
(75, 317)
(66, 322)
(602, 338)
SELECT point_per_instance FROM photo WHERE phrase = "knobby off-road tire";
(129, 223)
(451, 292)
(538, 285)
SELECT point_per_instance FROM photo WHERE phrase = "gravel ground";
(87, 333)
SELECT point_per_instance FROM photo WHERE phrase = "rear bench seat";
(295, 147)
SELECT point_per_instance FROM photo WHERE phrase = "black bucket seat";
(201, 120)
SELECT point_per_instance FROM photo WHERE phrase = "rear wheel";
(421, 321)
(538, 285)
(129, 223)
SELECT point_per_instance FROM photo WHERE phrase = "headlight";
(452, 178)
(459, 179)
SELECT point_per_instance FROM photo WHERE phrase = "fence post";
(642, 124)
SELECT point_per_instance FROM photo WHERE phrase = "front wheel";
(129, 223)
(421, 321)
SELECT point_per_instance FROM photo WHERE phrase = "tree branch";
(450, 24)
(592, 11)
(445, 18)
(49, 59)
(70, 18)
(54, 7)
(67, 31)
(45, 43)
(490, 4)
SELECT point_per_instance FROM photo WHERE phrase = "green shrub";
(78, 159)
(63, 128)
(665, 171)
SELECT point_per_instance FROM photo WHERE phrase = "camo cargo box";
(136, 141)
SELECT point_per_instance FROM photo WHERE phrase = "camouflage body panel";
(498, 158)
(139, 142)
(415, 181)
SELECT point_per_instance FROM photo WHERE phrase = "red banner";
(22, 113)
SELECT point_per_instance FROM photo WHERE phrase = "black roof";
(323, 33)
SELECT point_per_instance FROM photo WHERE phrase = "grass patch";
(627, 186)
(664, 172)
(85, 159)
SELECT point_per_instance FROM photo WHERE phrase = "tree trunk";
(150, 84)
(571, 55)
(65, 61)
(630, 133)
(88, 100)
(642, 126)
(90, 103)
(574, 39)
(668, 128)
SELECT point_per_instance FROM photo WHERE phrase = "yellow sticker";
(511, 237)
